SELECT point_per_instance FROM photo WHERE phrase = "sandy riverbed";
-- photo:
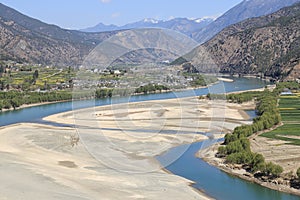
(114, 158)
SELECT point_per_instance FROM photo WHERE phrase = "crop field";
(289, 107)
(24, 78)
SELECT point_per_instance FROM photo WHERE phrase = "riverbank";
(33, 105)
(260, 145)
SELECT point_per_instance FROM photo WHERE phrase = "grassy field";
(290, 113)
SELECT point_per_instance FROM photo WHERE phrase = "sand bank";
(114, 157)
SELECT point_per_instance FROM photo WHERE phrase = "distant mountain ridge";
(183, 25)
(245, 10)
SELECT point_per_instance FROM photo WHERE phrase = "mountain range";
(267, 45)
(245, 10)
(25, 39)
(183, 25)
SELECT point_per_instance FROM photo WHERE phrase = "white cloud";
(105, 1)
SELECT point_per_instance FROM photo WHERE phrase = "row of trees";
(243, 97)
(236, 147)
(15, 99)
(151, 88)
(235, 98)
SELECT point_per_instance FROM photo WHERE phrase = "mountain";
(29, 40)
(101, 28)
(268, 45)
(183, 25)
(245, 10)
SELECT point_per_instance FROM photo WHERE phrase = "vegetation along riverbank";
(264, 152)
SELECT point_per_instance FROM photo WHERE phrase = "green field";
(285, 133)
(289, 107)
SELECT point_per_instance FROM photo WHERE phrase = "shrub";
(240, 158)
(230, 138)
(273, 170)
(298, 173)
(222, 151)
(257, 162)
(6, 104)
(234, 147)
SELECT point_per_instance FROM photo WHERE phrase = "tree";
(230, 138)
(35, 75)
(2, 85)
(257, 163)
(234, 147)
(222, 151)
(298, 173)
(2, 70)
(245, 144)
(240, 158)
(15, 103)
(6, 104)
(273, 170)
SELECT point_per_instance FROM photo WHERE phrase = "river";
(214, 182)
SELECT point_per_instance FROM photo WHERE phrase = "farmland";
(289, 107)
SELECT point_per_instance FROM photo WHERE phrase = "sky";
(78, 14)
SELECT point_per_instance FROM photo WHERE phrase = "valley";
(159, 100)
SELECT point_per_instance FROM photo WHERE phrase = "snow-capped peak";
(150, 20)
(199, 20)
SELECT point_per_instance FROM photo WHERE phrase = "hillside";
(268, 45)
(245, 10)
(29, 40)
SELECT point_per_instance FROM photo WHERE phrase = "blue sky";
(76, 14)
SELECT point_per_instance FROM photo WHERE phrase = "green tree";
(234, 147)
(273, 170)
(15, 103)
(35, 75)
(6, 104)
(222, 151)
(298, 173)
(230, 138)
(257, 163)
(240, 158)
